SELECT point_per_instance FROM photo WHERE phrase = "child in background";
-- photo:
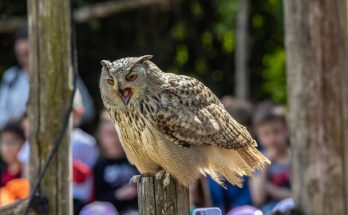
(13, 187)
(273, 184)
(113, 172)
(12, 139)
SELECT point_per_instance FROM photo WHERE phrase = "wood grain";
(155, 199)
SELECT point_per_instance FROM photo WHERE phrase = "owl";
(174, 125)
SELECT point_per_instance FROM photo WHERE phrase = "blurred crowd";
(101, 171)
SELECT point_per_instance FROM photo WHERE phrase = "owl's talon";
(135, 179)
(159, 175)
(162, 174)
(166, 180)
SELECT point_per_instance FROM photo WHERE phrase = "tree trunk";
(154, 199)
(316, 43)
(50, 87)
(242, 51)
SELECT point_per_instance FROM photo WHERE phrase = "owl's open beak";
(125, 94)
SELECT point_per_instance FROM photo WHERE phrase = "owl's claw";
(162, 173)
(135, 179)
(159, 175)
(166, 180)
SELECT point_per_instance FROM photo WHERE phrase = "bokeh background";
(195, 38)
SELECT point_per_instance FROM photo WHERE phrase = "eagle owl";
(174, 125)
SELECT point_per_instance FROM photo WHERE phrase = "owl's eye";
(132, 77)
(110, 81)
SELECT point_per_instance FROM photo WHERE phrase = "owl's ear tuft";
(106, 64)
(144, 58)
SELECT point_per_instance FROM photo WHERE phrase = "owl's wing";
(192, 115)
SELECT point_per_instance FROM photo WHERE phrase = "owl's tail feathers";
(234, 164)
(254, 158)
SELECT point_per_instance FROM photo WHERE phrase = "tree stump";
(155, 199)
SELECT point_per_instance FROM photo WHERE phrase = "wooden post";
(317, 72)
(154, 199)
(50, 89)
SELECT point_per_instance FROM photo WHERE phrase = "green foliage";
(195, 37)
(180, 31)
(267, 58)
(181, 54)
(274, 77)
(227, 10)
(228, 41)
(257, 21)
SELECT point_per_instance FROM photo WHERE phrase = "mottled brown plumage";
(175, 123)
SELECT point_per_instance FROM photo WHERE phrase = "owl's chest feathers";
(138, 135)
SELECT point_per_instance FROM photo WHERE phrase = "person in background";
(233, 196)
(12, 186)
(12, 139)
(113, 172)
(85, 154)
(14, 86)
(273, 184)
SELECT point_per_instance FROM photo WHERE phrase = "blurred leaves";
(274, 76)
(180, 31)
(217, 75)
(257, 21)
(206, 41)
(228, 41)
(197, 10)
(195, 37)
(267, 58)
(227, 10)
(182, 54)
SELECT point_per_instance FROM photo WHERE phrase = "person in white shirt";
(14, 86)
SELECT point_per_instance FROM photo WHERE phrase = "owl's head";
(124, 81)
